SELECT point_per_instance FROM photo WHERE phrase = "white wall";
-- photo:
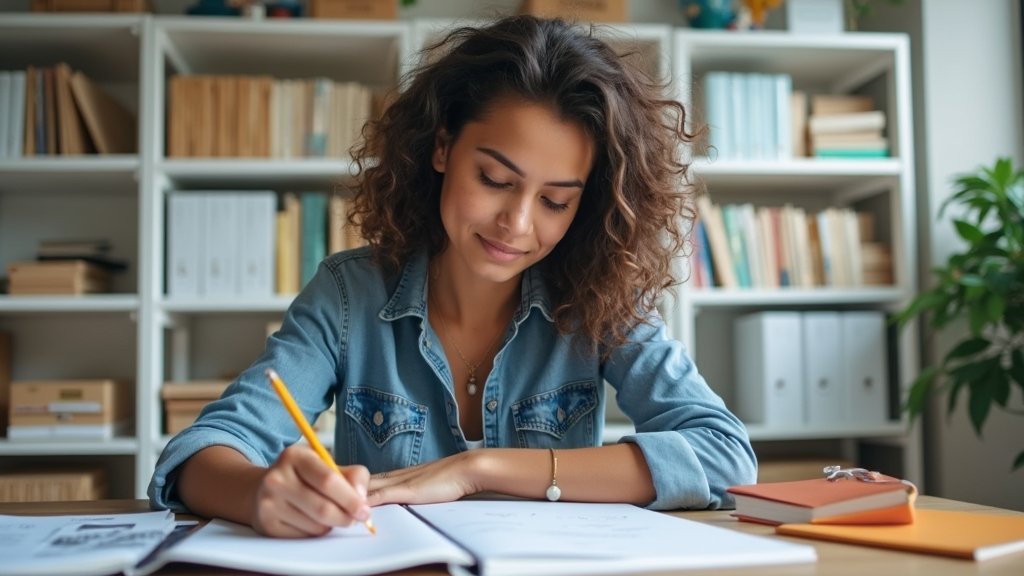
(968, 111)
(972, 69)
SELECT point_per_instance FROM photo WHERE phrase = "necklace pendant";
(471, 385)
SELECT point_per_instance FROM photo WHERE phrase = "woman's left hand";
(443, 480)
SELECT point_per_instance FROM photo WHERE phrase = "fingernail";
(362, 514)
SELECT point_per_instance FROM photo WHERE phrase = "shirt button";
(378, 418)
(492, 405)
(560, 415)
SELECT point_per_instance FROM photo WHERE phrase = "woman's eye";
(487, 181)
(555, 205)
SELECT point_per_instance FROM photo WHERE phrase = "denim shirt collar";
(409, 297)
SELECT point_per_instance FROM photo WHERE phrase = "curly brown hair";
(616, 257)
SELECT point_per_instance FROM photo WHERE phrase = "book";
(848, 122)
(483, 537)
(823, 501)
(970, 535)
(110, 125)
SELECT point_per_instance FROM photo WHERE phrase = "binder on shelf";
(824, 395)
(769, 380)
(185, 244)
(864, 366)
(314, 233)
(259, 240)
(221, 219)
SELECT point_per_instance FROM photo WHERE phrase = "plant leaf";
(967, 348)
(979, 404)
(999, 387)
(967, 373)
(924, 301)
(968, 231)
(1017, 367)
(996, 307)
(1019, 461)
(919, 392)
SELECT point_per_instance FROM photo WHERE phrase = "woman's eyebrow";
(576, 183)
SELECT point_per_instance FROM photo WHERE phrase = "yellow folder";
(969, 535)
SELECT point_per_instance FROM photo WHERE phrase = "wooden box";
(184, 400)
(47, 409)
(53, 485)
(57, 277)
(91, 6)
(584, 10)
(354, 9)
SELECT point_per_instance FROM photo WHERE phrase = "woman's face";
(512, 185)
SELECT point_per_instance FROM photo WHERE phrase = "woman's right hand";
(301, 496)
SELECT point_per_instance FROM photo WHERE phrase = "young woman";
(523, 198)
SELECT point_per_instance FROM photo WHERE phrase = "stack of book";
(846, 126)
(58, 111)
(743, 246)
(258, 116)
(71, 277)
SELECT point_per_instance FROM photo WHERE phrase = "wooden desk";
(833, 559)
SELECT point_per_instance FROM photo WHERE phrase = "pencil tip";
(271, 374)
(371, 527)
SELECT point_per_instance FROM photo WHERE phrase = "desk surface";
(833, 558)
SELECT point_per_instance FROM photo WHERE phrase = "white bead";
(554, 493)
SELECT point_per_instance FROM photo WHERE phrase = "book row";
(820, 369)
(742, 246)
(759, 116)
(251, 243)
(58, 111)
(258, 116)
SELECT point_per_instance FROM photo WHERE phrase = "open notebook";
(490, 538)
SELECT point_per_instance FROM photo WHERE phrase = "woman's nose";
(516, 214)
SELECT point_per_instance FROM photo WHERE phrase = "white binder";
(864, 367)
(769, 382)
(823, 383)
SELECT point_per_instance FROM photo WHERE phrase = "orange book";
(822, 501)
(970, 535)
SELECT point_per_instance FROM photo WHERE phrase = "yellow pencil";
(307, 430)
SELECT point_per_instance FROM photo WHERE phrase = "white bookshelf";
(874, 64)
(142, 334)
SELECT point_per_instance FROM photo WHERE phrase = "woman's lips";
(499, 251)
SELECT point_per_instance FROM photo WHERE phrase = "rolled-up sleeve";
(249, 417)
(694, 446)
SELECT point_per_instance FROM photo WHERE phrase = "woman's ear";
(440, 156)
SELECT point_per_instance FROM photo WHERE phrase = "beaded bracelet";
(554, 492)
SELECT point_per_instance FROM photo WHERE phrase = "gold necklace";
(471, 383)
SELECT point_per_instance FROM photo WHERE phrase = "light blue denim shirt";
(355, 337)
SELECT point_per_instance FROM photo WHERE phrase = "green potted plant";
(982, 286)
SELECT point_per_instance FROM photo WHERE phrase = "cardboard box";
(91, 6)
(184, 400)
(57, 277)
(354, 9)
(68, 408)
(587, 10)
(53, 485)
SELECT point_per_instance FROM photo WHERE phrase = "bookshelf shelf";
(61, 304)
(215, 305)
(77, 174)
(817, 296)
(116, 446)
(257, 172)
(764, 434)
(797, 175)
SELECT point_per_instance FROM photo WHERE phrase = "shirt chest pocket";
(560, 418)
(384, 431)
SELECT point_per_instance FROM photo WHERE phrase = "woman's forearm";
(617, 473)
(219, 482)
